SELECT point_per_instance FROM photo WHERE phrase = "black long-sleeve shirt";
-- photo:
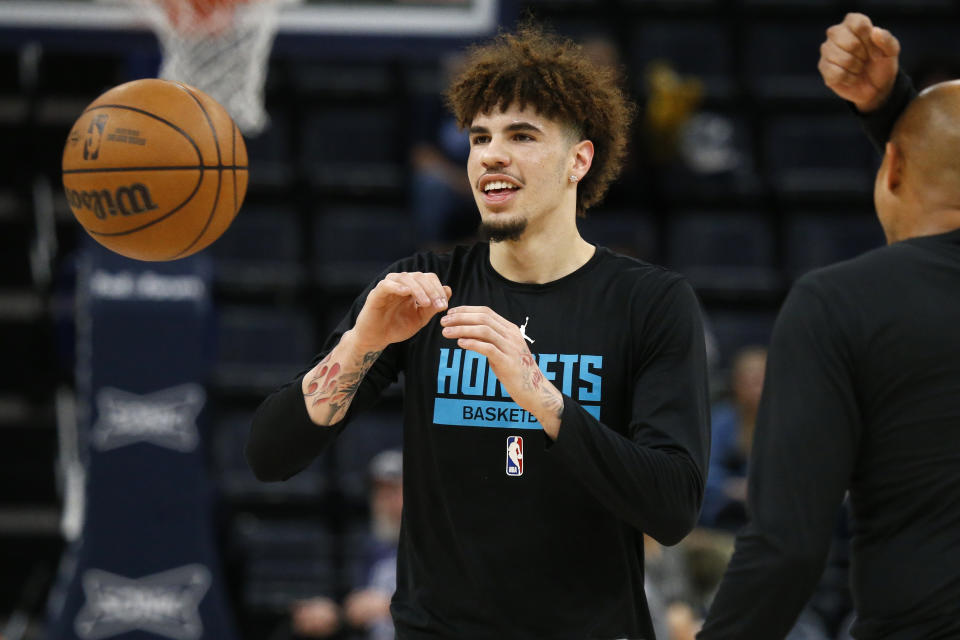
(552, 548)
(862, 395)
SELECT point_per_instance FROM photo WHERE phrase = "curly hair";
(539, 69)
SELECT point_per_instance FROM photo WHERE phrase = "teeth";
(498, 184)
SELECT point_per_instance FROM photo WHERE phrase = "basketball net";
(220, 47)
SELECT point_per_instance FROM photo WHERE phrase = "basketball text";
(468, 393)
(125, 201)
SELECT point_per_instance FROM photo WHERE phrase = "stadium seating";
(262, 248)
(366, 436)
(269, 155)
(285, 560)
(817, 239)
(629, 232)
(723, 252)
(236, 480)
(780, 60)
(352, 149)
(734, 330)
(700, 49)
(260, 348)
(825, 156)
(354, 244)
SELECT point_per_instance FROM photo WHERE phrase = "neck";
(541, 256)
(934, 223)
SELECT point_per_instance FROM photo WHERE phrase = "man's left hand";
(482, 330)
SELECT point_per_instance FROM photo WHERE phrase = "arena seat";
(261, 249)
(734, 330)
(353, 244)
(714, 161)
(821, 156)
(780, 60)
(260, 348)
(694, 48)
(723, 252)
(368, 434)
(285, 560)
(237, 481)
(349, 149)
(816, 240)
(632, 233)
(271, 163)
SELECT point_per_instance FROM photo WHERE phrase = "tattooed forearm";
(332, 386)
(533, 380)
(532, 376)
(553, 402)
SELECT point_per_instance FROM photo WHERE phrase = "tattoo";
(533, 380)
(334, 385)
(554, 403)
(532, 376)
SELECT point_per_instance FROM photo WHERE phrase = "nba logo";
(514, 456)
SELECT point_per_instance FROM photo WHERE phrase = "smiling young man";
(556, 411)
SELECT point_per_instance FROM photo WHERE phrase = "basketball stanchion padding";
(155, 170)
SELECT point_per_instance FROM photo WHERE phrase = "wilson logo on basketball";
(125, 201)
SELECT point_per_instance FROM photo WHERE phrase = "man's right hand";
(859, 61)
(398, 307)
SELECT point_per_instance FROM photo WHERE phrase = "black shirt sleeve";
(283, 440)
(878, 124)
(801, 463)
(653, 477)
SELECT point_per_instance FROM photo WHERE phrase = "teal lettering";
(591, 394)
(545, 360)
(492, 385)
(449, 371)
(474, 371)
(568, 360)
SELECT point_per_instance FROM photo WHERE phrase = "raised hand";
(400, 305)
(483, 330)
(859, 61)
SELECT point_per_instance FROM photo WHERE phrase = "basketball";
(155, 170)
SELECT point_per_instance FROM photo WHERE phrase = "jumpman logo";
(523, 330)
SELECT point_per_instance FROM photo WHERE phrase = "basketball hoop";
(219, 46)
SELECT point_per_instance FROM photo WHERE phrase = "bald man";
(862, 395)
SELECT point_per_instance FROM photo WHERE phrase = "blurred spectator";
(724, 503)
(367, 608)
(669, 592)
(672, 100)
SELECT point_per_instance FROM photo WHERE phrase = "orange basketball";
(155, 170)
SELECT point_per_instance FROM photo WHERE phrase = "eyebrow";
(516, 126)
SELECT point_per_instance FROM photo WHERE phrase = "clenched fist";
(859, 61)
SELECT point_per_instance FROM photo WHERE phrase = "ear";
(894, 162)
(582, 158)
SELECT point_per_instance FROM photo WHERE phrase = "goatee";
(503, 231)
